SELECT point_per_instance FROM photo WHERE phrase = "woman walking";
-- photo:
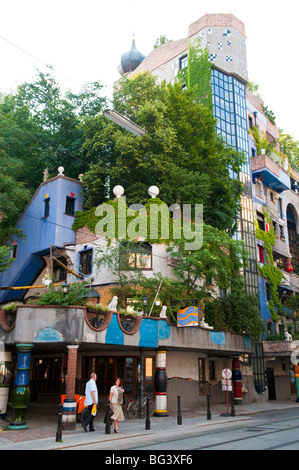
(116, 400)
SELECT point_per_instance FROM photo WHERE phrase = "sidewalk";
(42, 426)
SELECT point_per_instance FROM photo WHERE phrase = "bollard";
(107, 418)
(179, 411)
(232, 405)
(208, 405)
(147, 419)
(59, 425)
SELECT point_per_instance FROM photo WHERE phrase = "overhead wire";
(40, 61)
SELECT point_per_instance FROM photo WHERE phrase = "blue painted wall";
(40, 232)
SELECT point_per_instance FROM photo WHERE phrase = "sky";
(83, 41)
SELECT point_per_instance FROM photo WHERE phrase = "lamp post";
(144, 301)
(124, 122)
(65, 288)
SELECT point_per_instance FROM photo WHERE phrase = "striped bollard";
(161, 384)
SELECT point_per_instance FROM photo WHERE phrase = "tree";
(13, 195)
(290, 148)
(236, 311)
(161, 40)
(217, 263)
(40, 127)
(180, 153)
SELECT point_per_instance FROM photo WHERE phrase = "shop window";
(212, 370)
(202, 377)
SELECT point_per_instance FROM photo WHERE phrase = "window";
(261, 255)
(202, 376)
(183, 62)
(279, 207)
(14, 250)
(85, 265)
(259, 189)
(250, 122)
(46, 207)
(70, 206)
(281, 232)
(140, 256)
(260, 220)
(58, 270)
(212, 370)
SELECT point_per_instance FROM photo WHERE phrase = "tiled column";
(21, 391)
(69, 406)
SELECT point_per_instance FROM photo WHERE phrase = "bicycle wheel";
(151, 407)
(132, 409)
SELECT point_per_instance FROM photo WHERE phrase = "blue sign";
(188, 317)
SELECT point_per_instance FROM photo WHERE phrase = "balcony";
(265, 169)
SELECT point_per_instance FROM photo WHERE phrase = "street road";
(277, 430)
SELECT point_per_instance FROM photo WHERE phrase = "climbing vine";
(262, 142)
(269, 271)
(162, 234)
(197, 74)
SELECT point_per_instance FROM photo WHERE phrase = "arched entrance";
(293, 236)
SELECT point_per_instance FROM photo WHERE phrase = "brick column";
(69, 406)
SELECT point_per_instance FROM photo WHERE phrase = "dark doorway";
(271, 384)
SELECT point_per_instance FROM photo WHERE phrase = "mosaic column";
(161, 384)
(21, 391)
(237, 380)
(296, 375)
(5, 376)
(69, 409)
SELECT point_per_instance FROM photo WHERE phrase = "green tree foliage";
(290, 148)
(161, 40)
(180, 153)
(40, 129)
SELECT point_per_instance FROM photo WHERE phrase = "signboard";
(227, 373)
(226, 381)
(188, 317)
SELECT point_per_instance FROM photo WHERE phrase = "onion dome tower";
(130, 60)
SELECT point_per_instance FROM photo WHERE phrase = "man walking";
(91, 398)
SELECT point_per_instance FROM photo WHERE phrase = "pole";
(141, 409)
(59, 425)
(107, 418)
(209, 417)
(147, 420)
(233, 406)
(179, 411)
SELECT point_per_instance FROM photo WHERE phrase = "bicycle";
(133, 408)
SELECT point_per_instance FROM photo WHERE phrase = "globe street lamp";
(144, 301)
(65, 288)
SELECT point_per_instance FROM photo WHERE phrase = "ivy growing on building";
(269, 271)
(197, 74)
